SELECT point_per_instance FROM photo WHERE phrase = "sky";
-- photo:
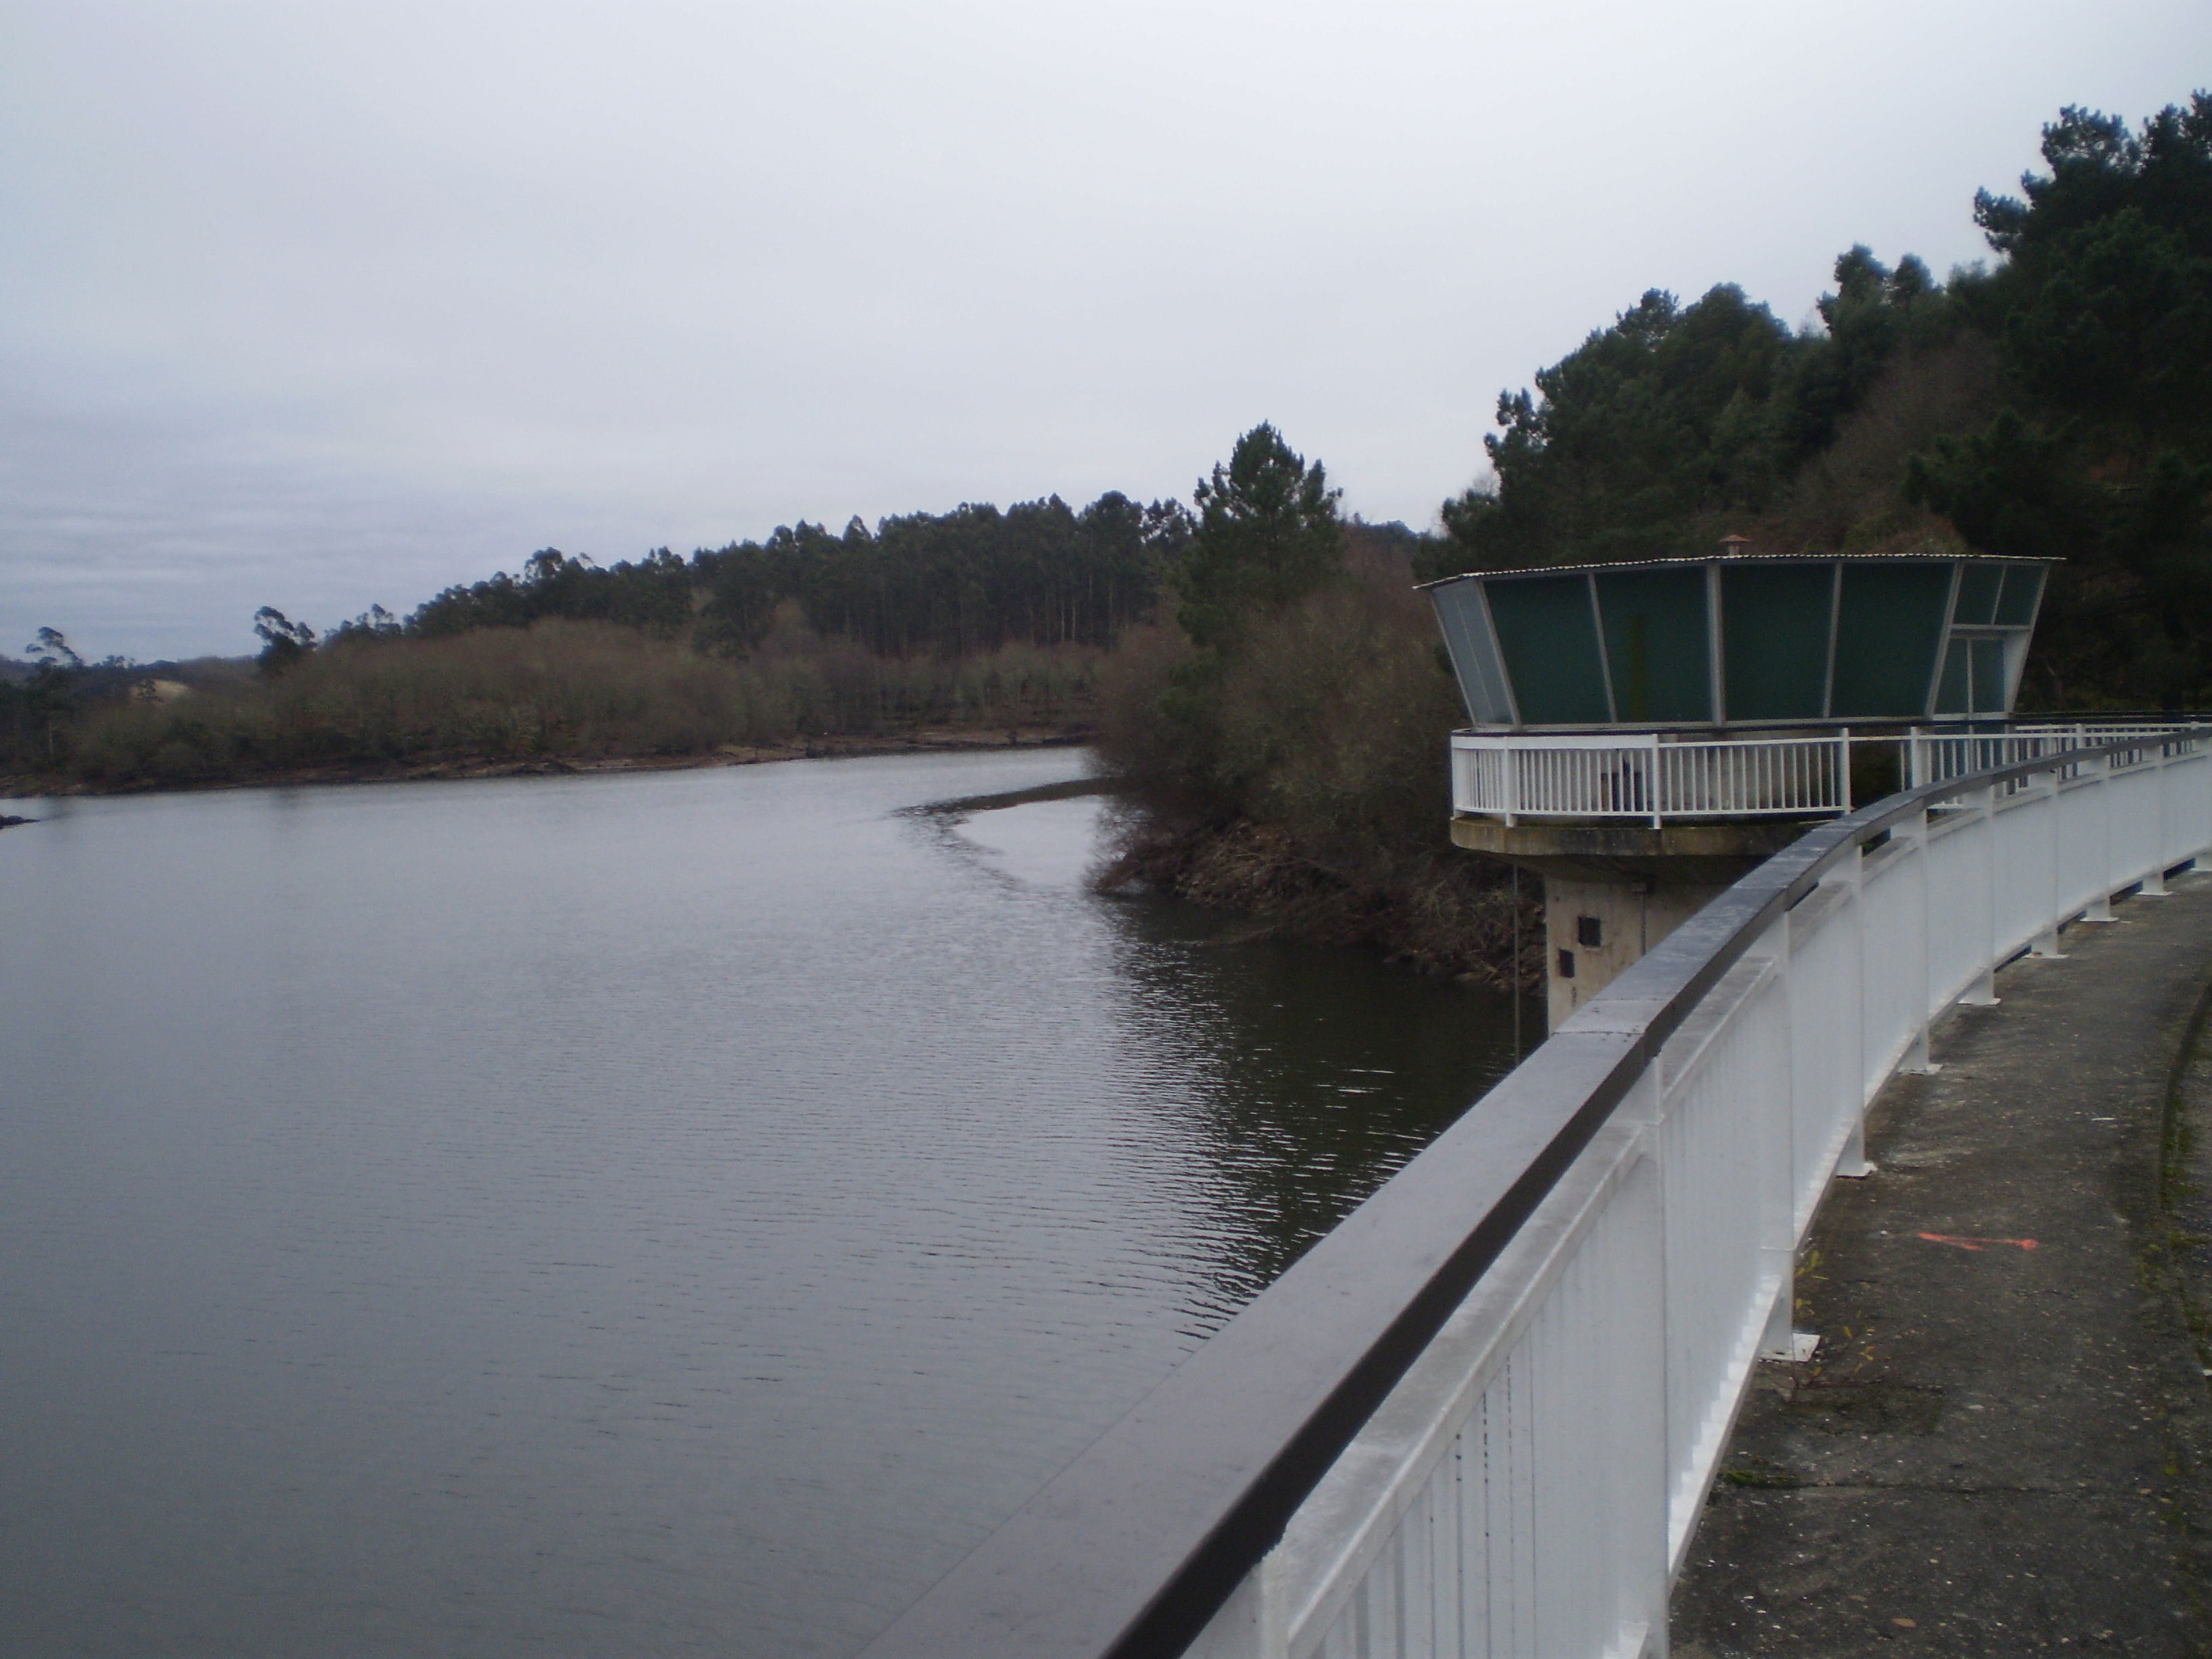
(322, 306)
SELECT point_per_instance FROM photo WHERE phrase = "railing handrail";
(1131, 1548)
(1751, 729)
(1638, 740)
(1655, 776)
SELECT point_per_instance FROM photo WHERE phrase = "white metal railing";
(1480, 1417)
(1654, 776)
(1531, 1485)
(1933, 756)
(1648, 776)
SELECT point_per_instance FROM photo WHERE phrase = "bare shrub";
(1301, 781)
(567, 689)
(1137, 741)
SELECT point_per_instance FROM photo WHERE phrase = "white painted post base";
(1783, 1340)
(1982, 993)
(2101, 911)
(2154, 886)
(2046, 945)
(1916, 1062)
(1851, 1164)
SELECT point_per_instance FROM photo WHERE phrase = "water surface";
(674, 1213)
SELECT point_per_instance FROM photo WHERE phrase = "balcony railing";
(1654, 777)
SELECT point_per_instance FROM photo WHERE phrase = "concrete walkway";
(2004, 1443)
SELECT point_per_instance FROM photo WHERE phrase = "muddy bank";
(961, 807)
(1443, 913)
(445, 767)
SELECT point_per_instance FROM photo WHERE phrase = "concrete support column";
(1594, 930)
(1613, 890)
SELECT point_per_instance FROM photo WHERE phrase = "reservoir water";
(674, 1213)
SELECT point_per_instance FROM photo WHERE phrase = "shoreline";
(448, 768)
(1442, 914)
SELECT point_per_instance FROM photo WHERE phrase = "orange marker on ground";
(1977, 1243)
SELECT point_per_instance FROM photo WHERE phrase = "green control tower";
(1644, 733)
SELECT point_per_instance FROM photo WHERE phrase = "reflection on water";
(673, 1214)
(1310, 1076)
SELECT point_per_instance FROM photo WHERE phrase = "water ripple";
(677, 1213)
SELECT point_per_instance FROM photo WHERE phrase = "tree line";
(1285, 738)
(967, 585)
(2056, 403)
(950, 584)
(977, 616)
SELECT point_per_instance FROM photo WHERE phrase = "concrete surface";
(2000, 1448)
(1614, 889)
(1596, 931)
(1706, 854)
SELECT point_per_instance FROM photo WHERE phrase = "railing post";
(1511, 770)
(1916, 1061)
(1776, 1199)
(1982, 993)
(1782, 1340)
(1843, 766)
(1658, 807)
(1916, 1058)
(1852, 1163)
(2100, 908)
(2154, 884)
(2046, 942)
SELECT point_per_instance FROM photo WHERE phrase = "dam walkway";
(2002, 1443)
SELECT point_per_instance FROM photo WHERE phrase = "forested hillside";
(1285, 739)
(2057, 402)
(955, 583)
(974, 619)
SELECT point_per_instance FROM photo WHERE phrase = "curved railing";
(1653, 777)
(1481, 1415)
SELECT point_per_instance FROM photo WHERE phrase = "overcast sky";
(320, 306)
